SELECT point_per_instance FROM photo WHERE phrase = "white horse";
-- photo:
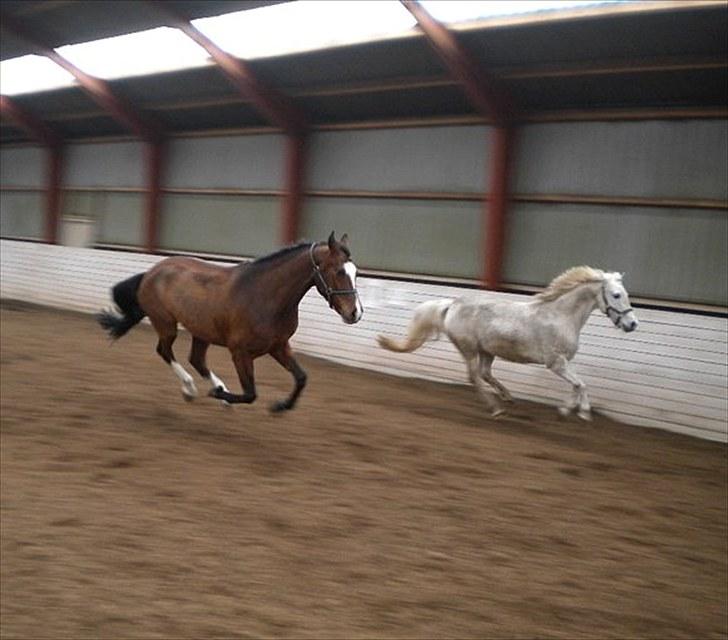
(544, 330)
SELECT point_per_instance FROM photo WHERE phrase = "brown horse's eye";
(341, 272)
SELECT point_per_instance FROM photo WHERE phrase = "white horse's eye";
(617, 295)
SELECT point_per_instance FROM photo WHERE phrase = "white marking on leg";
(216, 383)
(188, 384)
(350, 269)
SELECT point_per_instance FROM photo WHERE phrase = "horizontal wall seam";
(540, 198)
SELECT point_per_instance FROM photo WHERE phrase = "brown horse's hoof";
(279, 407)
(188, 398)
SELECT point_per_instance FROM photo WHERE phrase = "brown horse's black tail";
(125, 297)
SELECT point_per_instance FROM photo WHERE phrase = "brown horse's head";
(336, 280)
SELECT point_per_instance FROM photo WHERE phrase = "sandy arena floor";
(380, 508)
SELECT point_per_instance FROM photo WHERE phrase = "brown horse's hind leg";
(167, 332)
(244, 366)
(284, 356)
(198, 361)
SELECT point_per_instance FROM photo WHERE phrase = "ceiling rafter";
(29, 122)
(624, 67)
(271, 104)
(119, 108)
(484, 92)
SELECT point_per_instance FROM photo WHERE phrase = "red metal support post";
(293, 198)
(493, 102)
(154, 162)
(273, 106)
(54, 168)
(496, 205)
(53, 193)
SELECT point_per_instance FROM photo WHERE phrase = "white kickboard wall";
(672, 373)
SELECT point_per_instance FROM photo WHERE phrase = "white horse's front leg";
(562, 368)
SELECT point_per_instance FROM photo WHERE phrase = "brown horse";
(250, 308)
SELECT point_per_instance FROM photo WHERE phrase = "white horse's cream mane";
(571, 278)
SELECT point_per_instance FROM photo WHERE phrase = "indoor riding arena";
(465, 153)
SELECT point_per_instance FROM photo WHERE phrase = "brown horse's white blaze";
(350, 269)
(251, 308)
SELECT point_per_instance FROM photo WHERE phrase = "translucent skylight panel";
(27, 74)
(305, 25)
(136, 54)
(266, 31)
(455, 11)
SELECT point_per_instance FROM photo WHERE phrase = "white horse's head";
(614, 302)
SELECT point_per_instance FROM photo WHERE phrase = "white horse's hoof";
(188, 397)
(585, 415)
(564, 411)
(497, 413)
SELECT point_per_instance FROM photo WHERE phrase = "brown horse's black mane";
(285, 252)
(276, 255)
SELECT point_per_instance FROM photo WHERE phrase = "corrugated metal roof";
(668, 58)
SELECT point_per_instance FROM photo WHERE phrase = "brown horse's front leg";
(284, 356)
(244, 366)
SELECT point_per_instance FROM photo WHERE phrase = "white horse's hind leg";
(486, 362)
(562, 369)
(476, 380)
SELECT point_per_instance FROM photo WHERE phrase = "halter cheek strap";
(328, 291)
(608, 307)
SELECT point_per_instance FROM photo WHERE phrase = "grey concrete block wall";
(413, 236)
(240, 162)
(21, 214)
(657, 159)
(418, 159)
(105, 164)
(23, 167)
(675, 254)
(235, 225)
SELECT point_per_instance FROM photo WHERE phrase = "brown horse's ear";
(332, 241)
(345, 240)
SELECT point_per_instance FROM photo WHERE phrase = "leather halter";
(328, 291)
(608, 307)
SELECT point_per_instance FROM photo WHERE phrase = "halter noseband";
(608, 307)
(328, 291)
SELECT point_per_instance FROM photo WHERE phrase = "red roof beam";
(268, 102)
(99, 90)
(490, 99)
(27, 121)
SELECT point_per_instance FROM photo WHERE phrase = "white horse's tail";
(426, 323)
